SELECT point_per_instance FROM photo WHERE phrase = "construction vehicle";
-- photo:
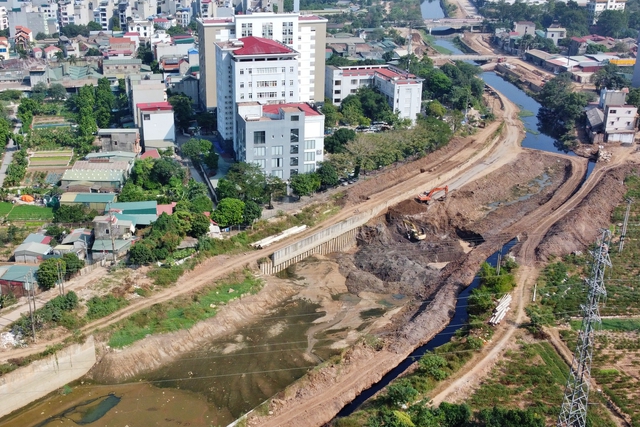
(426, 197)
(412, 231)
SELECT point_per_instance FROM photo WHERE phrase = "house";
(156, 122)
(524, 27)
(92, 180)
(120, 140)
(51, 52)
(79, 241)
(14, 279)
(103, 249)
(31, 252)
(129, 208)
(37, 53)
(106, 226)
(37, 238)
(23, 37)
(555, 32)
(612, 120)
(91, 201)
(119, 68)
(4, 48)
(113, 156)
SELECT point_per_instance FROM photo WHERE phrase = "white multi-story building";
(82, 14)
(620, 123)
(144, 28)
(143, 89)
(304, 33)
(156, 125)
(183, 16)
(4, 18)
(596, 7)
(102, 13)
(283, 139)
(402, 90)
(145, 8)
(253, 69)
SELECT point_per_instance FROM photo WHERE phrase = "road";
(8, 157)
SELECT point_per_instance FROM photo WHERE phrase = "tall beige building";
(304, 33)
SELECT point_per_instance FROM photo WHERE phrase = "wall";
(42, 377)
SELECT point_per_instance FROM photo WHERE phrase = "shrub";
(103, 306)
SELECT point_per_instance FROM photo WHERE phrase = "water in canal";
(431, 9)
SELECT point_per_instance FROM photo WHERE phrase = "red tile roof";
(153, 106)
(275, 108)
(160, 20)
(51, 49)
(132, 34)
(387, 72)
(151, 152)
(260, 46)
(168, 209)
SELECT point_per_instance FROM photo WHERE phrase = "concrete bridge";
(456, 24)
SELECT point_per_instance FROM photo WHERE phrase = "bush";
(103, 306)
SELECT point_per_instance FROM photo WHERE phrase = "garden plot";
(49, 159)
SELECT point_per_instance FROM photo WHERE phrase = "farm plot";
(53, 158)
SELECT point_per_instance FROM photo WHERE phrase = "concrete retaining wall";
(24, 385)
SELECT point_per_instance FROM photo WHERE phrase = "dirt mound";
(579, 228)
(408, 207)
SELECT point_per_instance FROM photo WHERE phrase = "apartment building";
(304, 33)
(620, 123)
(283, 139)
(145, 8)
(402, 90)
(183, 16)
(144, 28)
(253, 69)
(4, 18)
(36, 19)
(145, 89)
(596, 7)
(102, 13)
(156, 124)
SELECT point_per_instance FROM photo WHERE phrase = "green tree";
(69, 214)
(275, 188)
(613, 22)
(432, 364)
(41, 36)
(182, 110)
(199, 225)
(57, 92)
(336, 143)
(633, 98)
(304, 184)
(328, 174)
(195, 148)
(211, 160)
(400, 393)
(94, 26)
(201, 203)
(73, 263)
(252, 212)
(244, 181)
(93, 52)
(141, 254)
(593, 49)
(609, 76)
(48, 271)
(164, 169)
(331, 114)
(435, 109)
(229, 212)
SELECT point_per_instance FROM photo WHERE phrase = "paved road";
(6, 160)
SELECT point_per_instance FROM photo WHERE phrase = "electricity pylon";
(576, 395)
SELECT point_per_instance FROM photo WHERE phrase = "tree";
(182, 110)
(199, 225)
(94, 26)
(48, 271)
(633, 98)
(331, 114)
(613, 22)
(328, 174)
(432, 364)
(73, 263)
(73, 214)
(252, 212)
(335, 143)
(195, 148)
(41, 36)
(610, 77)
(211, 160)
(164, 169)
(39, 91)
(304, 184)
(229, 212)
(57, 92)
(593, 49)
(244, 181)
(435, 109)
(400, 393)
(201, 204)
(275, 188)
(141, 254)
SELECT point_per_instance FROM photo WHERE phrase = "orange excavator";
(426, 197)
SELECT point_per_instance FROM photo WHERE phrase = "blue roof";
(138, 219)
(190, 51)
(130, 208)
(19, 273)
(95, 197)
(34, 238)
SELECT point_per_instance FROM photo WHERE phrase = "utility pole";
(31, 293)
(576, 396)
(113, 239)
(624, 225)
(60, 278)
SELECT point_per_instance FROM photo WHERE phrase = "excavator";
(412, 231)
(426, 197)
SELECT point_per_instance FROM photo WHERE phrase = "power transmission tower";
(624, 225)
(576, 395)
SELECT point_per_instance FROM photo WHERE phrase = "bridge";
(453, 23)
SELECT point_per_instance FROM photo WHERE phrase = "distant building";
(143, 27)
(555, 32)
(612, 120)
(91, 201)
(32, 252)
(102, 249)
(106, 227)
(14, 278)
(4, 19)
(402, 90)
(596, 7)
(92, 180)
(524, 27)
(119, 68)
(157, 124)
(23, 37)
(120, 140)
(4, 48)
(283, 139)
(144, 89)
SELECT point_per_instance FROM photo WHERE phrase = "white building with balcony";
(596, 7)
(402, 90)
(253, 69)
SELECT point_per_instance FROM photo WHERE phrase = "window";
(146, 117)
(261, 162)
(276, 162)
(628, 123)
(276, 150)
(295, 135)
(310, 167)
(116, 142)
(295, 118)
(267, 83)
(291, 69)
(293, 172)
(290, 82)
(613, 111)
(241, 71)
(242, 96)
(259, 137)
(241, 85)
(310, 144)
(284, 82)
(293, 161)
(336, 92)
(247, 30)
(290, 93)
(284, 70)
(259, 151)
(250, 95)
(336, 100)
(267, 30)
(338, 82)
(293, 149)
(310, 157)
(354, 82)
(353, 91)
(277, 174)
(267, 70)
(283, 94)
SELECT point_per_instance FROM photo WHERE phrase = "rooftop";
(101, 164)
(152, 152)
(114, 131)
(88, 197)
(259, 46)
(130, 206)
(112, 153)
(275, 108)
(33, 247)
(93, 175)
(18, 273)
(153, 106)
(105, 245)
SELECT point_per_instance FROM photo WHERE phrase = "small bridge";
(472, 57)
(456, 24)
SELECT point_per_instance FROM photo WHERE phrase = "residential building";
(555, 32)
(156, 123)
(51, 52)
(4, 18)
(163, 23)
(102, 13)
(119, 68)
(620, 123)
(103, 165)
(32, 252)
(23, 36)
(14, 279)
(253, 69)
(4, 48)
(30, 16)
(144, 28)
(113, 156)
(183, 16)
(402, 90)
(145, 9)
(78, 241)
(123, 10)
(136, 208)
(303, 33)
(283, 139)
(144, 89)
(92, 180)
(91, 201)
(120, 140)
(108, 226)
(102, 249)
(524, 27)
(596, 7)
(82, 15)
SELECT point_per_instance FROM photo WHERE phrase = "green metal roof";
(138, 219)
(107, 246)
(133, 61)
(95, 198)
(134, 208)
(18, 273)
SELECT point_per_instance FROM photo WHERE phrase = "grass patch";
(615, 325)
(30, 212)
(525, 113)
(49, 158)
(5, 208)
(183, 312)
(441, 49)
(103, 306)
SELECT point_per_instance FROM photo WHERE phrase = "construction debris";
(501, 310)
(603, 156)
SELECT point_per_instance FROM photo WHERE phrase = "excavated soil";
(580, 227)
